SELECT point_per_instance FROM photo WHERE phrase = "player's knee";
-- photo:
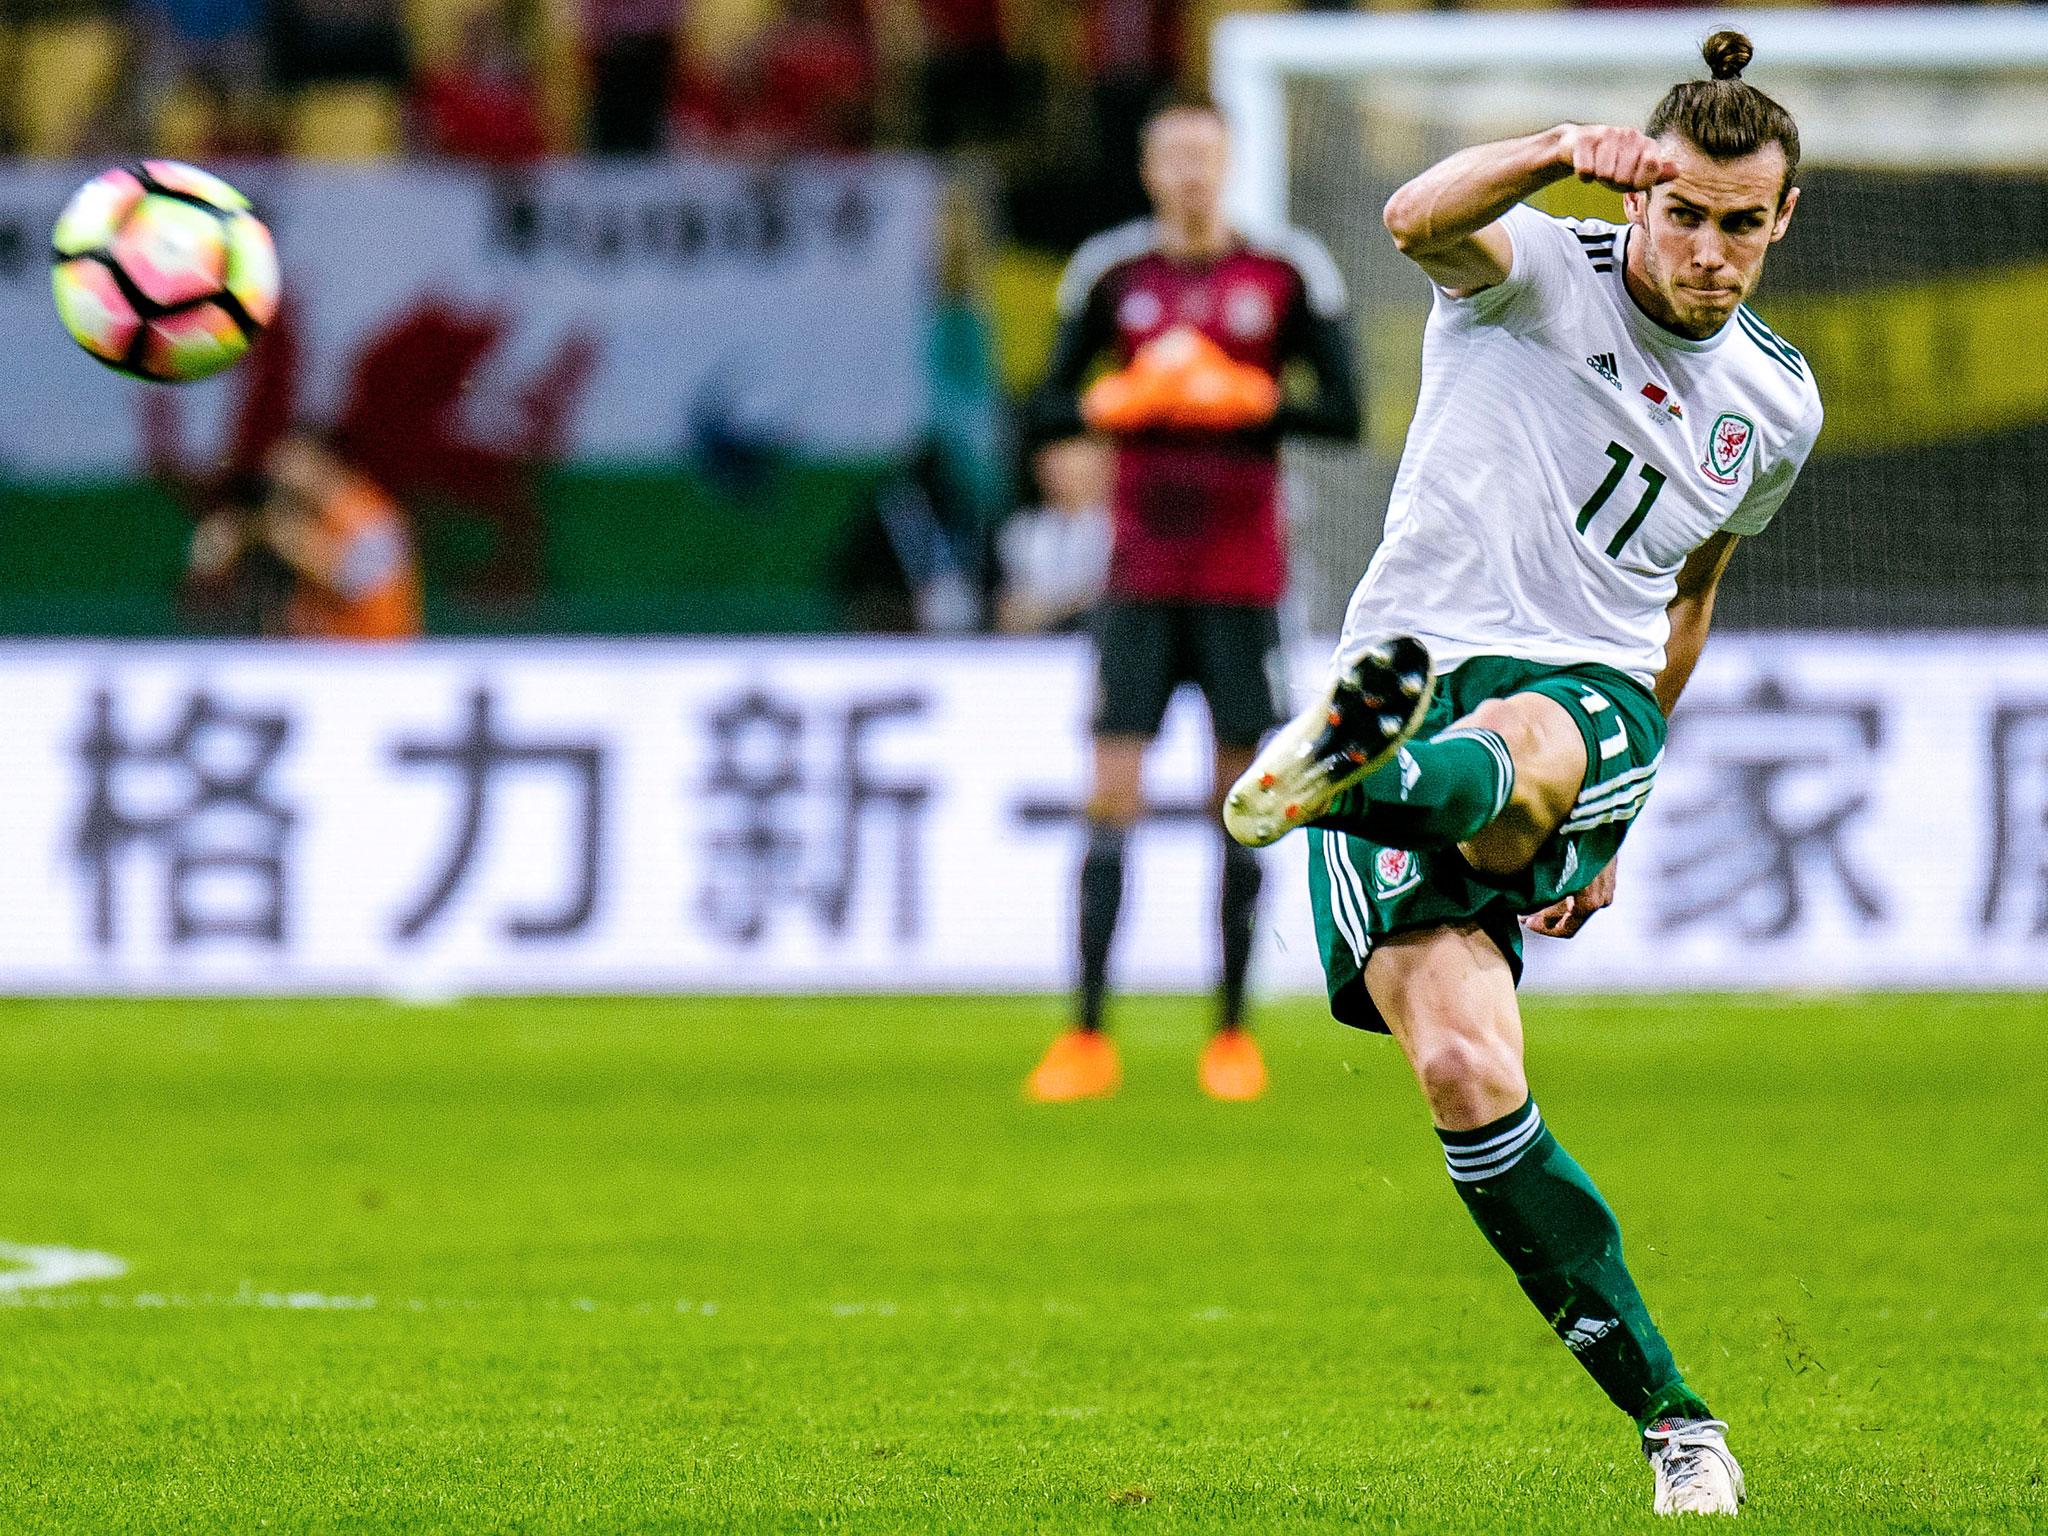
(1116, 808)
(1468, 1080)
(1523, 730)
(1230, 767)
(1117, 795)
(1117, 799)
(1550, 764)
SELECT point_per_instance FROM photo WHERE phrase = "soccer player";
(1203, 321)
(1601, 419)
(337, 539)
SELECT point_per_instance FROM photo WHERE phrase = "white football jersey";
(1567, 454)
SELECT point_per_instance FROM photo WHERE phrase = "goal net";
(1915, 276)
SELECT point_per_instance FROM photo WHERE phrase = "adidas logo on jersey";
(1603, 364)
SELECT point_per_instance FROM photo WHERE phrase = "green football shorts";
(1363, 892)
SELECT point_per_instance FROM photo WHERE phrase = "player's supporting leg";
(1082, 1063)
(1237, 899)
(1449, 998)
(1232, 1067)
(1113, 809)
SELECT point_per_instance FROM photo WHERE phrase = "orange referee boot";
(1232, 1067)
(1081, 1064)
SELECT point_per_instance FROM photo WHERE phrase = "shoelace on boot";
(1685, 1454)
(1684, 1462)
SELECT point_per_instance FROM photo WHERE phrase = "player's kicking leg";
(1375, 703)
(1448, 996)
(1495, 784)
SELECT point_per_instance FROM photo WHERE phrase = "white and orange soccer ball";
(161, 271)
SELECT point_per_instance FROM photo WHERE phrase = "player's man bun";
(1727, 117)
(1727, 55)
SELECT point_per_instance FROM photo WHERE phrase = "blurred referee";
(1222, 344)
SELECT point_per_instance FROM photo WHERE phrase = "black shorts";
(1229, 651)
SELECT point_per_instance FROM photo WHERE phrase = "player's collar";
(1234, 241)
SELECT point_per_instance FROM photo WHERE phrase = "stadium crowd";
(508, 80)
(1036, 106)
(1052, 90)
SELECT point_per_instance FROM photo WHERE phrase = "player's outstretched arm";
(1447, 219)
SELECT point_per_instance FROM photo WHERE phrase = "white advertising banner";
(874, 815)
(628, 307)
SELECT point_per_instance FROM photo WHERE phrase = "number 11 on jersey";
(1653, 482)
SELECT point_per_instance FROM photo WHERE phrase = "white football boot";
(1696, 1472)
(1375, 704)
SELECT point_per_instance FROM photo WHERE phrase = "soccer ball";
(161, 271)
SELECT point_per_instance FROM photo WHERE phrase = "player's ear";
(1784, 219)
(1637, 206)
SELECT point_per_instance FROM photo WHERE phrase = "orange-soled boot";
(1081, 1064)
(1232, 1067)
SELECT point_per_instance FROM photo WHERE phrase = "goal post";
(1915, 277)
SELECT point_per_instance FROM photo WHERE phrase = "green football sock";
(1543, 1215)
(1432, 794)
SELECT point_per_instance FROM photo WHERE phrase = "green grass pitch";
(812, 1265)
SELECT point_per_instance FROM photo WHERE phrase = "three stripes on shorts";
(1616, 800)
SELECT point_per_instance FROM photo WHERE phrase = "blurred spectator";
(632, 53)
(804, 82)
(920, 558)
(209, 53)
(901, 569)
(235, 584)
(311, 548)
(315, 41)
(970, 429)
(1055, 556)
(483, 104)
(818, 71)
(1134, 52)
(967, 83)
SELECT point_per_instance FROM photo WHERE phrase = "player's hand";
(1562, 919)
(1626, 159)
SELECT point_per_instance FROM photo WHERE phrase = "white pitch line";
(14, 1299)
(43, 1267)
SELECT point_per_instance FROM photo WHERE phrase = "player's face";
(1186, 154)
(1707, 232)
